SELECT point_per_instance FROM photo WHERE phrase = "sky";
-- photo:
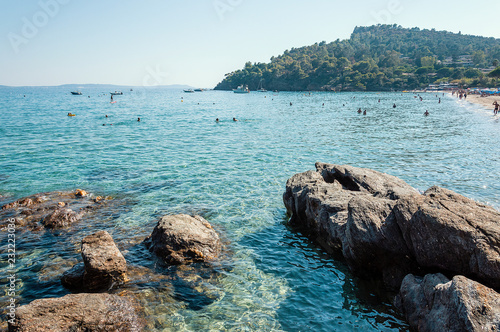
(195, 42)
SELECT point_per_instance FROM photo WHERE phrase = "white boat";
(188, 91)
(116, 93)
(78, 93)
(241, 89)
(260, 88)
(198, 90)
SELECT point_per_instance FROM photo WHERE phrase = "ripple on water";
(178, 160)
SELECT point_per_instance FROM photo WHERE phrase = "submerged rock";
(78, 313)
(180, 239)
(49, 210)
(434, 303)
(103, 268)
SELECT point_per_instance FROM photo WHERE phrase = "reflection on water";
(179, 160)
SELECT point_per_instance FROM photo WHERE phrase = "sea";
(178, 159)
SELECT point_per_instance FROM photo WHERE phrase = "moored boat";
(77, 93)
(241, 89)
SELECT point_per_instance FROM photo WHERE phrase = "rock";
(180, 239)
(104, 266)
(80, 193)
(73, 278)
(449, 232)
(78, 313)
(349, 210)
(385, 228)
(49, 210)
(373, 243)
(357, 179)
(434, 303)
(61, 217)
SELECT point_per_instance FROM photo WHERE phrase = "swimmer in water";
(217, 120)
(394, 106)
(138, 119)
(364, 113)
(359, 110)
(234, 119)
(426, 113)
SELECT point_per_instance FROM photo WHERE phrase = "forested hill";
(376, 58)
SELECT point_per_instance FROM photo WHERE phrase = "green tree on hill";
(376, 58)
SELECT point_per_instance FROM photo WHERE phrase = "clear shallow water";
(178, 160)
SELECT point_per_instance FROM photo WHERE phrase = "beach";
(483, 101)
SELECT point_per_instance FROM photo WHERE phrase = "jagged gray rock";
(434, 303)
(384, 227)
(349, 210)
(449, 232)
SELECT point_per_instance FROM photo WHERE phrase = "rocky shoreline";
(101, 298)
(438, 250)
(435, 245)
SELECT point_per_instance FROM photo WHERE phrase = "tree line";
(377, 58)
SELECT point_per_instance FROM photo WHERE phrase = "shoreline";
(486, 102)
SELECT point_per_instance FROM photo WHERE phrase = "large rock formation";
(350, 210)
(78, 313)
(384, 227)
(50, 210)
(103, 268)
(452, 233)
(434, 303)
(180, 239)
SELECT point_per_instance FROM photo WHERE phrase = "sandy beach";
(483, 101)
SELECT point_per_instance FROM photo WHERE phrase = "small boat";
(77, 93)
(116, 93)
(241, 89)
(260, 88)
(188, 91)
(198, 90)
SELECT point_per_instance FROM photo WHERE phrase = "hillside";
(377, 58)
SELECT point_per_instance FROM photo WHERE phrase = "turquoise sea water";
(177, 159)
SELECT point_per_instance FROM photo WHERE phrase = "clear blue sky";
(149, 42)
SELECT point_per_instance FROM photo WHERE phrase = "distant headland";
(378, 58)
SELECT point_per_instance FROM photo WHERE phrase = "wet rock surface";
(78, 312)
(182, 239)
(52, 210)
